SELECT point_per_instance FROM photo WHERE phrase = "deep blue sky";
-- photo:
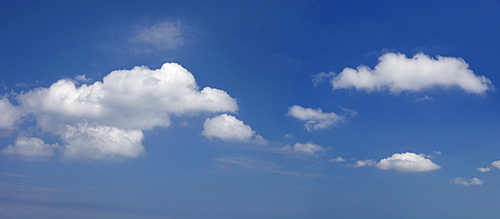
(153, 150)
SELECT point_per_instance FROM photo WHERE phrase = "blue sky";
(239, 109)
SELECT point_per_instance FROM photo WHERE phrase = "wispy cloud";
(160, 36)
(317, 79)
(308, 148)
(467, 182)
(365, 163)
(424, 98)
(337, 159)
(243, 163)
(316, 119)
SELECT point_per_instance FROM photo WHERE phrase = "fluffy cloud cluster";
(308, 148)
(106, 119)
(229, 128)
(397, 73)
(407, 162)
(494, 164)
(315, 118)
(467, 182)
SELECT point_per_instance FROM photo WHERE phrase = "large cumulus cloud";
(107, 119)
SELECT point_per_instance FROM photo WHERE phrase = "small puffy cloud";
(308, 148)
(160, 36)
(496, 164)
(365, 163)
(407, 162)
(337, 159)
(315, 118)
(229, 128)
(483, 169)
(31, 147)
(397, 73)
(106, 120)
(467, 182)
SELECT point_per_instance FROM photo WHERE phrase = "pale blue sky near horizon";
(314, 109)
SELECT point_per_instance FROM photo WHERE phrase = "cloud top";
(407, 162)
(397, 73)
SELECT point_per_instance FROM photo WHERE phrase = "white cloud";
(308, 148)
(259, 140)
(467, 182)
(31, 147)
(318, 78)
(424, 98)
(496, 164)
(483, 169)
(129, 99)
(363, 163)
(407, 162)
(82, 78)
(397, 73)
(9, 114)
(315, 118)
(161, 36)
(93, 120)
(231, 163)
(289, 135)
(101, 142)
(337, 159)
(229, 128)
